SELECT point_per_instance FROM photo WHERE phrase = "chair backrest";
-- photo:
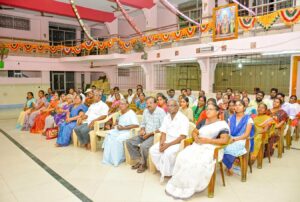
(140, 118)
(114, 117)
(192, 126)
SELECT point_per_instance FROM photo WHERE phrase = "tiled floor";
(21, 179)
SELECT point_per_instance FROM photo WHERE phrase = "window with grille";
(192, 9)
(177, 76)
(130, 77)
(13, 22)
(262, 7)
(246, 72)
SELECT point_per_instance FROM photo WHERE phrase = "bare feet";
(57, 145)
(87, 146)
(229, 172)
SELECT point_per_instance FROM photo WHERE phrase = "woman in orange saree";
(39, 122)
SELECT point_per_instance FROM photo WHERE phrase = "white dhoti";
(164, 161)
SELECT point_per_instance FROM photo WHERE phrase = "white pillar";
(46, 77)
(207, 74)
(149, 74)
(87, 77)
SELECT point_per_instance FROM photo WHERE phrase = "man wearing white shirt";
(96, 112)
(130, 96)
(191, 97)
(174, 128)
(294, 112)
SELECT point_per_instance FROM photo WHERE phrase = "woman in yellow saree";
(261, 125)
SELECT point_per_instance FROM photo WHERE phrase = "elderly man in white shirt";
(96, 112)
(174, 128)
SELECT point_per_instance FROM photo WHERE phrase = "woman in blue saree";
(113, 142)
(66, 128)
(241, 127)
(30, 100)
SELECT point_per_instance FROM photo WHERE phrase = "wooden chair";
(211, 185)
(151, 166)
(245, 161)
(280, 144)
(260, 155)
(288, 137)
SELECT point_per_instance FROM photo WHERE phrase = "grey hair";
(70, 96)
(174, 100)
(123, 101)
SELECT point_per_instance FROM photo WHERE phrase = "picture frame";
(225, 22)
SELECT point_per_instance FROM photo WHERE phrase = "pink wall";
(124, 27)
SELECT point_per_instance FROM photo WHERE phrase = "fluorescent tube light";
(125, 64)
(184, 60)
(282, 52)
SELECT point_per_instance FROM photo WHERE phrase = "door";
(59, 81)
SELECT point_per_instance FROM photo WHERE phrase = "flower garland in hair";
(80, 21)
(129, 20)
(176, 11)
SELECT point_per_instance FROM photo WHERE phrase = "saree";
(260, 122)
(195, 164)
(28, 106)
(278, 117)
(201, 117)
(30, 117)
(197, 111)
(66, 129)
(39, 122)
(113, 143)
(237, 148)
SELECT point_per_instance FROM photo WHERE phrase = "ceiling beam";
(60, 8)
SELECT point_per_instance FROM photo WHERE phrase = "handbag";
(51, 133)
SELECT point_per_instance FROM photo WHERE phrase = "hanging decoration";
(205, 27)
(80, 21)
(176, 11)
(266, 21)
(190, 31)
(244, 7)
(290, 16)
(247, 23)
(129, 20)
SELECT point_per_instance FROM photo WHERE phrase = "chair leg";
(280, 147)
(74, 139)
(297, 132)
(260, 156)
(93, 141)
(288, 139)
(269, 152)
(211, 185)
(222, 173)
(152, 167)
(244, 166)
(249, 162)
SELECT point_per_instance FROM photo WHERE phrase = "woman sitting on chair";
(39, 122)
(30, 100)
(261, 125)
(279, 117)
(75, 112)
(113, 142)
(195, 165)
(241, 128)
(185, 109)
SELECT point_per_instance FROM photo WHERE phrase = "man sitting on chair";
(174, 128)
(96, 112)
(138, 146)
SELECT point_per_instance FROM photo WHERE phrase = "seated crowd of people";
(229, 119)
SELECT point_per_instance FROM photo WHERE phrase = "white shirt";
(294, 110)
(95, 111)
(176, 127)
(129, 98)
(112, 98)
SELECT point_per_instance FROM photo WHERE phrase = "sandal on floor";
(141, 169)
(136, 166)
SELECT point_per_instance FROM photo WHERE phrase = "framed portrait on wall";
(225, 22)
